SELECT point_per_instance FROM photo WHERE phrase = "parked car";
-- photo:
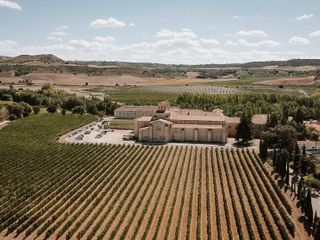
(127, 137)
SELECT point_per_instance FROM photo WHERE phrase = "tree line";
(21, 103)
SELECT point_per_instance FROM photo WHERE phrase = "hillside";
(52, 59)
(32, 59)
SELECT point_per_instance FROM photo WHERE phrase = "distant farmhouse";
(163, 124)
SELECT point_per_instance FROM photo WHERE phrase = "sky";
(162, 31)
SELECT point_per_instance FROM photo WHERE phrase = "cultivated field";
(188, 89)
(69, 79)
(56, 191)
(297, 81)
(142, 95)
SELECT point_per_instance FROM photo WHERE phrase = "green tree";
(286, 137)
(296, 160)
(299, 116)
(308, 208)
(317, 231)
(263, 148)
(92, 108)
(15, 109)
(79, 110)
(285, 115)
(272, 120)
(244, 129)
(72, 102)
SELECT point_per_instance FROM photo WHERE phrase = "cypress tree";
(304, 166)
(275, 158)
(299, 116)
(296, 160)
(300, 186)
(244, 129)
(263, 149)
(285, 115)
(317, 230)
(309, 209)
(304, 150)
(315, 220)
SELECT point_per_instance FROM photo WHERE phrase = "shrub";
(6, 97)
(79, 110)
(72, 102)
(36, 109)
(52, 108)
(27, 109)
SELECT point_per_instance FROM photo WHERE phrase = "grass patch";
(4, 102)
(311, 181)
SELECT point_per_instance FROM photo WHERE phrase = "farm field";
(73, 191)
(201, 89)
(70, 79)
(154, 94)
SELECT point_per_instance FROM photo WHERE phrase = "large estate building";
(133, 112)
(164, 124)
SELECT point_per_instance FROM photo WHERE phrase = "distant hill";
(4, 58)
(287, 63)
(43, 59)
(50, 59)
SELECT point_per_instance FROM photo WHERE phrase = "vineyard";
(152, 95)
(54, 191)
(175, 89)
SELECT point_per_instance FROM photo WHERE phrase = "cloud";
(166, 46)
(315, 34)
(8, 43)
(185, 33)
(259, 44)
(62, 28)
(299, 41)
(230, 43)
(8, 47)
(10, 4)
(57, 39)
(209, 42)
(305, 17)
(58, 33)
(105, 40)
(253, 33)
(107, 23)
(132, 24)
(239, 17)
